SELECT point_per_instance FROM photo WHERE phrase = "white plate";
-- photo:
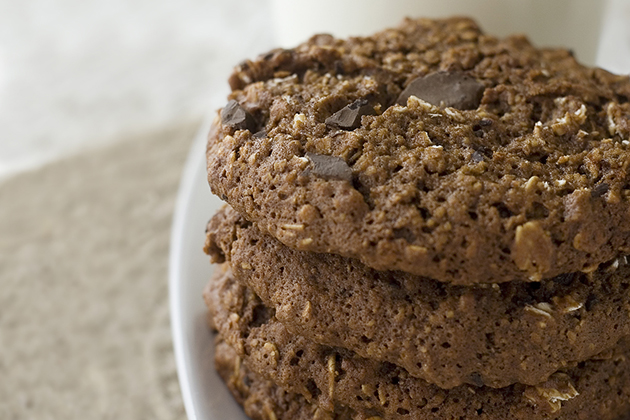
(205, 395)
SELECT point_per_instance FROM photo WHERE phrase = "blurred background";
(99, 103)
(79, 74)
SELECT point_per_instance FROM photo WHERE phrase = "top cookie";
(433, 149)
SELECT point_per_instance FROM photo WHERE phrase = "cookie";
(597, 389)
(431, 148)
(262, 399)
(516, 332)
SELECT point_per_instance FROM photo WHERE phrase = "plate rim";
(182, 203)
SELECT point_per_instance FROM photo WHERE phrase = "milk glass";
(573, 24)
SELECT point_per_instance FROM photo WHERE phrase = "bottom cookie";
(598, 389)
(261, 399)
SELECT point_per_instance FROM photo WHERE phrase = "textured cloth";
(84, 320)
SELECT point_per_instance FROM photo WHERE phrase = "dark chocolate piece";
(591, 300)
(260, 134)
(476, 379)
(339, 69)
(444, 89)
(235, 116)
(405, 233)
(328, 167)
(349, 117)
(477, 156)
(599, 190)
(565, 279)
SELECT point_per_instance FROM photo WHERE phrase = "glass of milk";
(573, 24)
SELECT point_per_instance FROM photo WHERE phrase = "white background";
(76, 74)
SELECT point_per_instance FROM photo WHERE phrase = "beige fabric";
(84, 321)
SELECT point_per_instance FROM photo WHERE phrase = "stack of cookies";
(429, 223)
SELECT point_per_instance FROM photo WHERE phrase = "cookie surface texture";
(433, 149)
(262, 399)
(516, 332)
(330, 377)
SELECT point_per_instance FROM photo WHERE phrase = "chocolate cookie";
(264, 400)
(516, 332)
(433, 149)
(598, 389)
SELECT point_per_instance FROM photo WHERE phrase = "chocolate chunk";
(599, 190)
(477, 156)
(404, 233)
(260, 134)
(537, 211)
(591, 301)
(269, 55)
(339, 69)
(480, 153)
(235, 116)
(504, 211)
(387, 368)
(476, 380)
(565, 279)
(349, 117)
(328, 167)
(479, 129)
(444, 89)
